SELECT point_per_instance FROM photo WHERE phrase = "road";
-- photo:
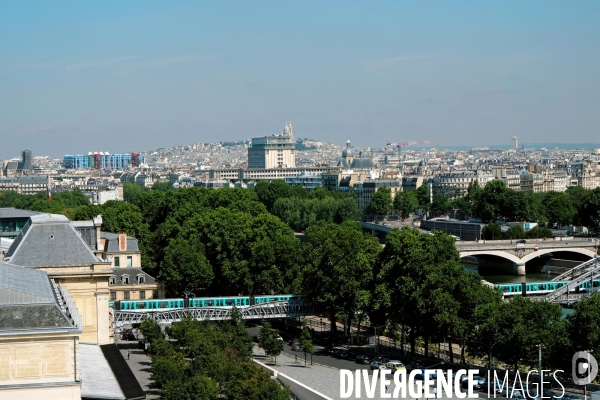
(319, 357)
(322, 359)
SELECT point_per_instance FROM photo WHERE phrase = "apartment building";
(455, 184)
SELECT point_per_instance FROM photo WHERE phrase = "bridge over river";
(515, 255)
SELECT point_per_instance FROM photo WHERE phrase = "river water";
(495, 278)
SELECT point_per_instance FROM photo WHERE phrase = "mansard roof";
(50, 240)
(28, 302)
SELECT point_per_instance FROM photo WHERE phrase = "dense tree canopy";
(208, 361)
(338, 271)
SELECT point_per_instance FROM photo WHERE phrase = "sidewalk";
(140, 366)
(323, 379)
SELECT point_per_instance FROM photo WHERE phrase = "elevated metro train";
(202, 302)
(536, 288)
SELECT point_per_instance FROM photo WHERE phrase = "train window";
(141, 305)
(208, 303)
(163, 304)
(229, 302)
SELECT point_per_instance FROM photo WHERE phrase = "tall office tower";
(514, 143)
(26, 160)
(275, 151)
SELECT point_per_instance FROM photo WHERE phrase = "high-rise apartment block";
(26, 163)
(514, 143)
(275, 151)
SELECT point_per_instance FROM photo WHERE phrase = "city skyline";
(146, 75)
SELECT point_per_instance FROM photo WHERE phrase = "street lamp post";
(377, 338)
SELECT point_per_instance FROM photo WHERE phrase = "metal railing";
(281, 309)
(67, 304)
(578, 270)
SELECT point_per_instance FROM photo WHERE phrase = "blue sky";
(139, 75)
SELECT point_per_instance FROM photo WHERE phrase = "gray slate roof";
(133, 273)
(20, 285)
(9, 212)
(27, 301)
(112, 242)
(50, 240)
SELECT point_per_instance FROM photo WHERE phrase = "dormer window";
(112, 280)
(125, 279)
(141, 279)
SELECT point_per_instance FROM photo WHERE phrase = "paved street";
(140, 366)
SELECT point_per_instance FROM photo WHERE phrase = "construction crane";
(403, 144)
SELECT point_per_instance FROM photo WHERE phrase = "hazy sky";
(123, 76)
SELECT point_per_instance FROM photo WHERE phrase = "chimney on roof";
(122, 242)
(97, 225)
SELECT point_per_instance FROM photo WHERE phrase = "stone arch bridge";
(518, 254)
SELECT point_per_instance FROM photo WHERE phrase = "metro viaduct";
(515, 256)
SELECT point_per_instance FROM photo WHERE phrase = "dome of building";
(348, 152)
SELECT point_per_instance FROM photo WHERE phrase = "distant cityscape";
(310, 163)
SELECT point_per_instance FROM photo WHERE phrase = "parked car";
(296, 346)
(350, 356)
(339, 352)
(362, 359)
(521, 241)
(374, 364)
(395, 365)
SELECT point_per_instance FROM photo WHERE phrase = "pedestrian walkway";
(140, 366)
(323, 379)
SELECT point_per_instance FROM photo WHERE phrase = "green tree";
(440, 204)
(338, 273)
(269, 340)
(590, 209)
(578, 197)
(492, 231)
(584, 324)
(513, 331)
(71, 198)
(406, 202)
(514, 232)
(162, 186)
(269, 192)
(151, 330)
(132, 192)
(421, 285)
(197, 387)
(422, 194)
(539, 232)
(560, 209)
(382, 201)
(306, 342)
(87, 213)
(490, 201)
(239, 338)
(185, 268)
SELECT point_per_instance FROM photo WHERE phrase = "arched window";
(112, 280)
(141, 279)
(125, 279)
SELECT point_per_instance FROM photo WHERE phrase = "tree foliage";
(406, 202)
(207, 361)
(269, 340)
(381, 205)
(338, 271)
